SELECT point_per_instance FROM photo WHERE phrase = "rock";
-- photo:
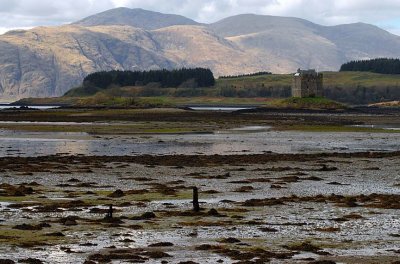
(351, 202)
(326, 168)
(230, 240)
(274, 186)
(55, 234)
(305, 246)
(157, 254)
(161, 244)
(213, 212)
(88, 244)
(244, 189)
(44, 225)
(145, 216)
(127, 240)
(25, 190)
(268, 229)
(322, 262)
(73, 180)
(313, 178)
(33, 184)
(70, 222)
(117, 194)
(207, 247)
(27, 227)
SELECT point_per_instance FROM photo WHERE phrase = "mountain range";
(48, 61)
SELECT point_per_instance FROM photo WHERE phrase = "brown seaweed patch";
(247, 255)
(207, 223)
(229, 240)
(244, 189)
(116, 194)
(268, 229)
(6, 261)
(31, 261)
(11, 190)
(59, 206)
(384, 201)
(137, 255)
(304, 246)
(161, 244)
(145, 216)
(330, 229)
(31, 227)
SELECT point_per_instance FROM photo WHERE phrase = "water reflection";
(220, 108)
(71, 147)
(226, 143)
(41, 146)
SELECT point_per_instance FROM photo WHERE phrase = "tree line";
(245, 75)
(381, 65)
(196, 77)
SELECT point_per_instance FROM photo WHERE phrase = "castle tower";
(307, 83)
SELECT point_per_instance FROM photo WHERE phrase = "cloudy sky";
(30, 13)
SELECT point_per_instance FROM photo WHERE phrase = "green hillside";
(331, 79)
(345, 87)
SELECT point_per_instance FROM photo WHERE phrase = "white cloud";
(29, 13)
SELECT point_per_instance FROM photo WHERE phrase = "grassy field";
(170, 102)
(305, 103)
(345, 79)
(159, 101)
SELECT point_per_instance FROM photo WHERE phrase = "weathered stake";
(196, 206)
(110, 212)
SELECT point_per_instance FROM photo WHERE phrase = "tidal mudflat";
(289, 209)
(333, 197)
(246, 139)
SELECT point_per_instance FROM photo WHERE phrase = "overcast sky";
(30, 13)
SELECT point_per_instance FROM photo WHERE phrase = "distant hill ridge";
(136, 17)
(48, 61)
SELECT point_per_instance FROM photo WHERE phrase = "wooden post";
(110, 212)
(196, 206)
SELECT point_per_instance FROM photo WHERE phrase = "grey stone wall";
(307, 84)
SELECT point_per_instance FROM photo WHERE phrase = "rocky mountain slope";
(48, 61)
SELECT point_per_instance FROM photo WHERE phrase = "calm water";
(220, 108)
(7, 106)
(388, 127)
(248, 140)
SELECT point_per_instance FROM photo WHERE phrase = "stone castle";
(307, 83)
